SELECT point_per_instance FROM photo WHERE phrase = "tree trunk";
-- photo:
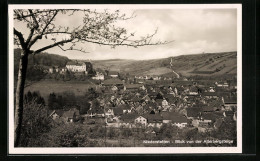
(18, 115)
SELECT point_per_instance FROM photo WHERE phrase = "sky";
(193, 31)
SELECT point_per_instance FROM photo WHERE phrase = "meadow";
(45, 87)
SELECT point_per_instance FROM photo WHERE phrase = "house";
(193, 91)
(165, 103)
(100, 113)
(208, 117)
(179, 121)
(109, 112)
(99, 76)
(210, 95)
(154, 120)
(211, 89)
(126, 108)
(113, 74)
(141, 120)
(159, 102)
(146, 98)
(91, 113)
(75, 66)
(114, 88)
(70, 115)
(135, 99)
(229, 114)
(134, 87)
(113, 81)
(118, 111)
(222, 84)
(175, 119)
(218, 123)
(127, 120)
(193, 112)
(230, 103)
(51, 70)
(208, 109)
(55, 114)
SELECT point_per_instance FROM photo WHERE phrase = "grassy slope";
(186, 65)
(45, 87)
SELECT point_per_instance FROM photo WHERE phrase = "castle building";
(79, 67)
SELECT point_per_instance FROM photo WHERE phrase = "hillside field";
(45, 87)
(207, 64)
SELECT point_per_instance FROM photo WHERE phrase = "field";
(207, 64)
(45, 87)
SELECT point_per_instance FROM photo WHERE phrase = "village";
(149, 102)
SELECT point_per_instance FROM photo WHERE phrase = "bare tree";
(96, 27)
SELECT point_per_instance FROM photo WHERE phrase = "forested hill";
(206, 64)
(37, 63)
(44, 59)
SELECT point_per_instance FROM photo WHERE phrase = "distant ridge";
(205, 64)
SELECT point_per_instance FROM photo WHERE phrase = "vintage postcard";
(125, 79)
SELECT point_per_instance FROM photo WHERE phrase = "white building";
(99, 76)
(79, 67)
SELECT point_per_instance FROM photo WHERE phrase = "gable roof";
(153, 118)
(169, 115)
(113, 81)
(68, 114)
(179, 119)
(210, 94)
(193, 89)
(124, 106)
(210, 116)
(230, 100)
(193, 111)
(133, 86)
(118, 111)
(128, 117)
(72, 63)
(112, 73)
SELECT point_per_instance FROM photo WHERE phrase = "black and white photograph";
(125, 79)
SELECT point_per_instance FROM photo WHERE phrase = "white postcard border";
(133, 150)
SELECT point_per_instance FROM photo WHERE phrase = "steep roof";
(210, 116)
(193, 89)
(179, 119)
(68, 114)
(153, 118)
(135, 99)
(113, 81)
(193, 111)
(230, 100)
(118, 111)
(207, 109)
(124, 106)
(169, 115)
(229, 113)
(133, 86)
(210, 94)
(72, 63)
(58, 112)
(128, 117)
(112, 73)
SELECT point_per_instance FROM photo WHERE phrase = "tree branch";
(20, 37)
(34, 19)
(51, 46)
(29, 37)
(43, 30)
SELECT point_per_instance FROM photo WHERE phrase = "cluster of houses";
(72, 66)
(180, 103)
